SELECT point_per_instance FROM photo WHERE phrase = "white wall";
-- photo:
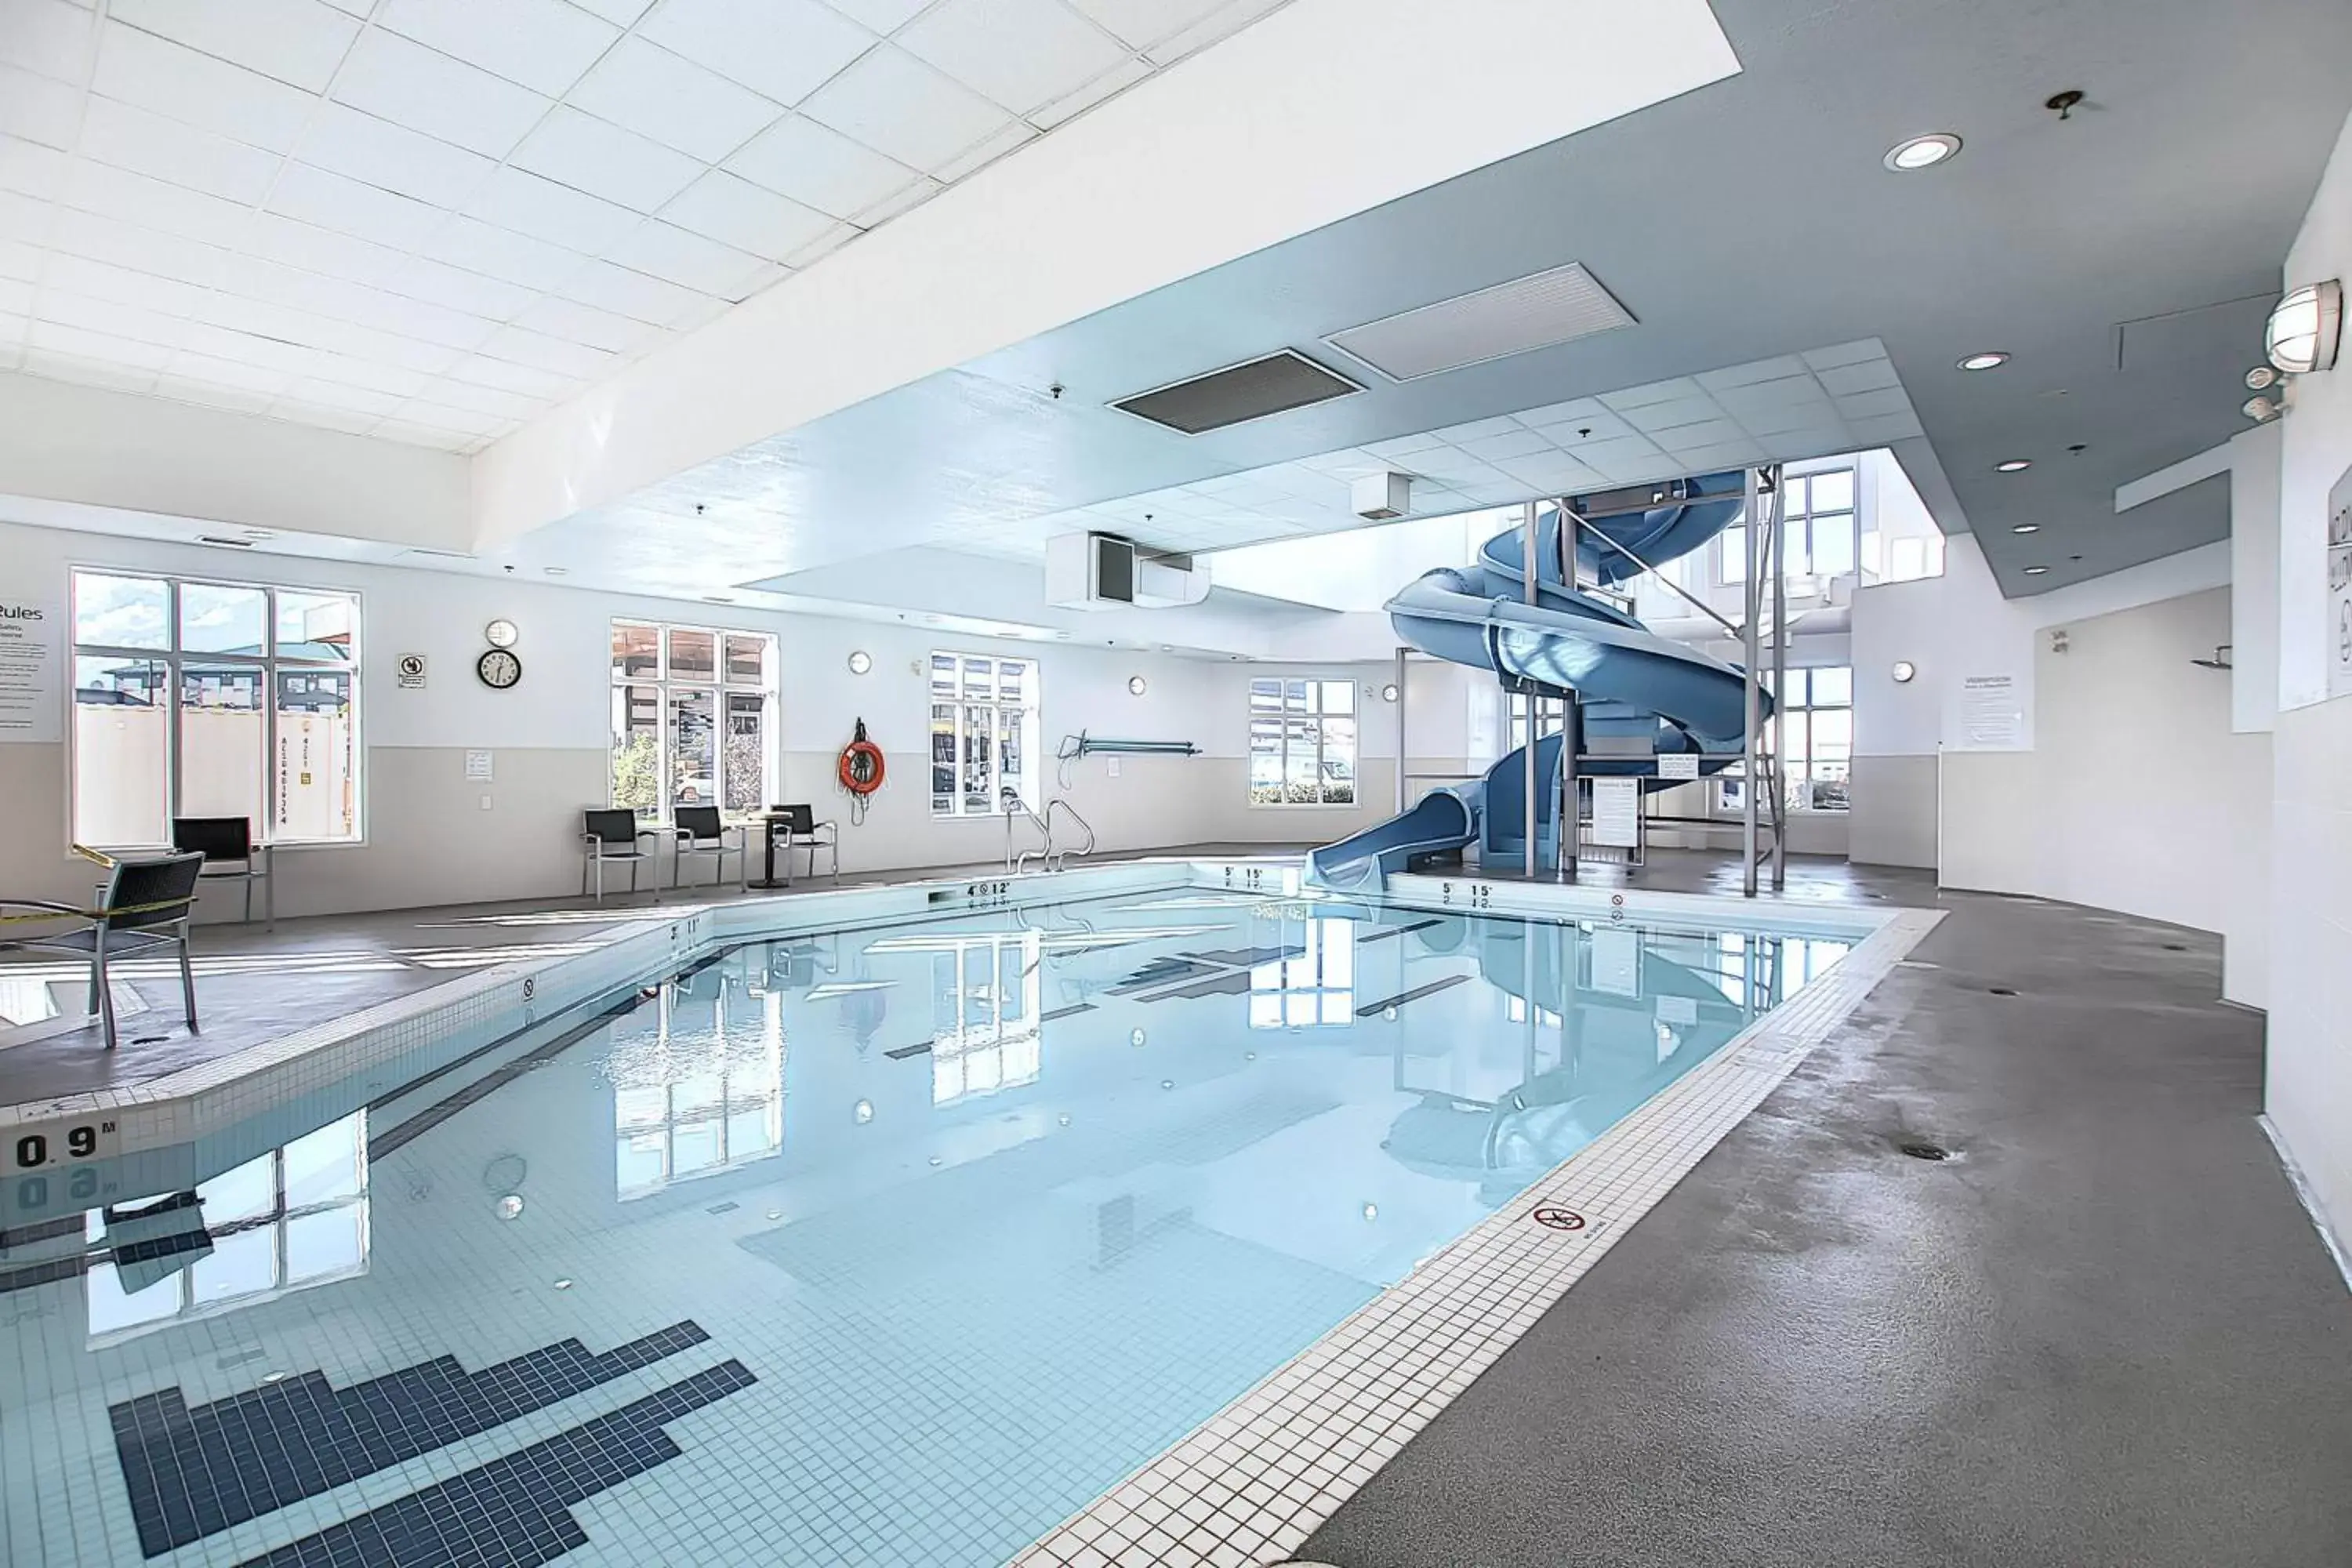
(2308, 1093)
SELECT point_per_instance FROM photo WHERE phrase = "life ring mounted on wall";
(861, 770)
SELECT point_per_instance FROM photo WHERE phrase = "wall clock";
(499, 668)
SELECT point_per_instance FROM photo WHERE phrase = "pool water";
(881, 1247)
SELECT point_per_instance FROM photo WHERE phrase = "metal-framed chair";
(612, 837)
(231, 856)
(700, 835)
(798, 828)
(144, 907)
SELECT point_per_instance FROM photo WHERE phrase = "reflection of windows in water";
(703, 1090)
(1763, 970)
(1516, 1010)
(984, 1026)
(293, 1218)
(1319, 986)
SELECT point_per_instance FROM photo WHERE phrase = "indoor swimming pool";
(881, 1246)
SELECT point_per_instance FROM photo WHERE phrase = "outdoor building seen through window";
(1822, 540)
(1302, 742)
(694, 718)
(200, 698)
(984, 734)
(1816, 724)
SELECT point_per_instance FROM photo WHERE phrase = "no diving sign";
(411, 669)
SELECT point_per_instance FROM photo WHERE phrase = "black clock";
(499, 668)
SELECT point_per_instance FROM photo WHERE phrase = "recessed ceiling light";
(2014, 465)
(2027, 528)
(1993, 360)
(2036, 571)
(1922, 152)
(556, 570)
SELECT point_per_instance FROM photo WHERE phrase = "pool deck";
(2105, 1332)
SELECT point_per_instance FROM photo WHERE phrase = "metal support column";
(1751, 755)
(1571, 805)
(1401, 759)
(1779, 508)
(1528, 560)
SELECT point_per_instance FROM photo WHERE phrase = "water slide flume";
(1633, 683)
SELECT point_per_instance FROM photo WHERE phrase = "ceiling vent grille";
(1274, 384)
(1537, 311)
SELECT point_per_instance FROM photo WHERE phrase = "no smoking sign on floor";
(1553, 1217)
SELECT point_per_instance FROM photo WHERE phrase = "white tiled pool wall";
(1251, 1484)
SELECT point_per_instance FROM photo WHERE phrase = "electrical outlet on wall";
(485, 803)
(1114, 769)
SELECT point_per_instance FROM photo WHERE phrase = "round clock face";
(499, 668)
(500, 633)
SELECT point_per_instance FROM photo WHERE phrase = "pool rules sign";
(2339, 587)
(30, 625)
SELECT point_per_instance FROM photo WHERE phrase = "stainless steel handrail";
(1015, 809)
(1055, 856)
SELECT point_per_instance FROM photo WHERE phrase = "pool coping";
(1251, 1484)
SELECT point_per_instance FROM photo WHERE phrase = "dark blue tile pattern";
(903, 1052)
(515, 1511)
(191, 1472)
(1365, 938)
(1415, 995)
(1071, 1011)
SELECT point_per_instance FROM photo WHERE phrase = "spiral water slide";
(1631, 684)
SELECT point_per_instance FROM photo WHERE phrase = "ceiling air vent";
(1532, 313)
(1274, 384)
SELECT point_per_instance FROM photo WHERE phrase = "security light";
(2305, 327)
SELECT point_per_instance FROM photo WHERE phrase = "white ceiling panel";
(1070, 105)
(527, 380)
(336, 394)
(115, 318)
(360, 146)
(114, 132)
(408, 84)
(543, 209)
(689, 260)
(501, 253)
(297, 41)
(880, 16)
(104, 280)
(543, 353)
(154, 203)
(30, 169)
(736, 212)
(1020, 53)
(781, 49)
(545, 44)
(122, 354)
(37, 107)
(892, 101)
(459, 290)
(187, 85)
(203, 368)
(819, 167)
(1141, 23)
(619, 166)
(1222, 22)
(987, 150)
(566, 319)
(352, 207)
(46, 36)
(449, 393)
(637, 295)
(245, 348)
(668, 98)
(620, 13)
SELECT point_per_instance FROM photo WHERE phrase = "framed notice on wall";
(2339, 587)
(31, 669)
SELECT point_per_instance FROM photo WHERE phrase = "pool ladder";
(1052, 855)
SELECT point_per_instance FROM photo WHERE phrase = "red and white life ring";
(861, 768)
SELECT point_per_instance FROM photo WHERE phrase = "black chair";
(144, 906)
(612, 837)
(700, 833)
(230, 856)
(797, 828)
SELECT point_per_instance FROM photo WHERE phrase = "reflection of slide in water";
(1615, 1052)
(1632, 685)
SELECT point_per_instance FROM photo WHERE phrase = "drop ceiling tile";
(78, 367)
(527, 380)
(1719, 456)
(1844, 353)
(1216, 26)
(352, 207)
(211, 394)
(1477, 429)
(1863, 405)
(1874, 430)
(1506, 444)
(585, 324)
(20, 261)
(897, 204)
(1142, 22)
(439, 416)
(1865, 375)
(544, 210)
(1654, 417)
(337, 395)
(369, 375)
(501, 253)
(140, 249)
(416, 435)
(587, 154)
(620, 13)
(880, 16)
(15, 298)
(38, 108)
(686, 260)
(1811, 441)
(459, 290)
(24, 218)
(1552, 473)
(314, 249)
(155, 204)
(1780, 369)
(1611, 457)
(736, 212)
(1020, 53)
(543, 352)
(149, 144)
(544, 45)
(1576, 411)
(1108, 85)
(1403, 446)
(350, 421)
(973, 159)
(896, 104)
(668, 98)
(1790, 414)
(1656, 392)
(295, 41)
(450, 393)
(1706, 433)
(104, 280)
(635, 295)
(181, 84)
(819, 167)
(782, 49)
(227, 373)
(388, 349)
(247, 348)
(345, 140)
(822, 246)
(410, 85)
(32, 170)
(102, 348)
(48, 38)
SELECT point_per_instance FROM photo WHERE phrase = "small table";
(774, 822)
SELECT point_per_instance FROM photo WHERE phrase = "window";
(295, 1218)
(1904, 558)
(693, 718)
(984, 734)
(1302, 742)
(195, 698)
(1822, 540)
(703, 1089)
(1549, 718)
(1816, 741)
(1315, 985)
(985, 1028)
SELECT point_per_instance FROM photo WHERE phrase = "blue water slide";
(1630, 683)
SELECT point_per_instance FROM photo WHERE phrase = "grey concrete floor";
(2103, 1334)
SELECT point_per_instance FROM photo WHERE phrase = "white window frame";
(1730, 545)
(1018, 718)
(665, 685)
(1796, 777)
(1324, 754)
(269, 663)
